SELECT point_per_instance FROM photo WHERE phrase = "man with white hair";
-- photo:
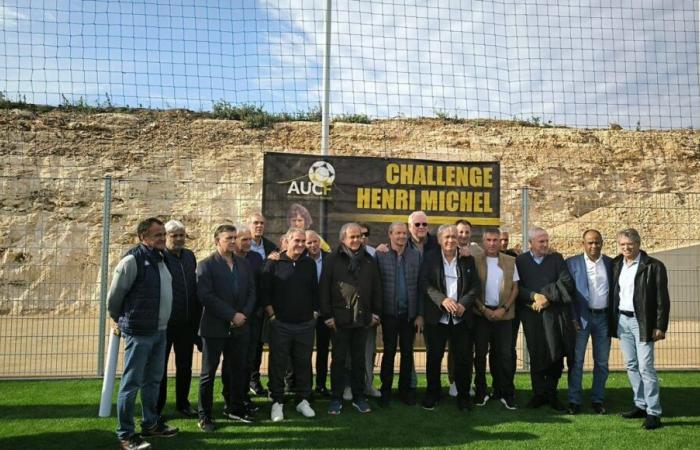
(184, 319)
(640, 312)
(545, 294)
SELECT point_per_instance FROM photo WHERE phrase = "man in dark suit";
(592, 275)
(450, 285)
(255, 324)
(641, 308)
(226, 289)
(323, 333)
(545, 293)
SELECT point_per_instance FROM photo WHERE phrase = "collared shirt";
(451, 283)
(258, 248)
(370, 250)
(538, 259)
(319, 266)
(597, 282)
(494, 281)
(626, 283)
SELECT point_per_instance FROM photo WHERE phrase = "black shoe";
(429, 403)
(509, 403)
(256, 388)
(134, 442)
(652, 422)
(409, 398)
(573, 409)
(464, 404)
(556, 405)
(251, 407)
(188, 411)
(635, 413)
(599, 408)
(206, 424)
(322, 391)
(160, 429)
(481, 399)
(241, 416)
(384, 401)
(536, 401)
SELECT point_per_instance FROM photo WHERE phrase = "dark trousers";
(545, 381)
(291, 344)
(234, 349)
(461, 343)
(515, 324)
(494, 338)
(351, 340)
(323, 342)
(402, 330)
(255, 349)
(180, 337)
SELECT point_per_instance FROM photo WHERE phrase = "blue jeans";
(639, 359)
(144, 363)
(597, 329)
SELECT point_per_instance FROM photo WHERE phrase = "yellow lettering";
(478, 202)
(375, 202)
(429, 200)
(388, 198)
(487, 203)
(392, 173)
(452, 201)
(450, 176)
(488, 177)
(406, 174)
(462, 176)
(362, 198)
(465, 201)
(475, 176)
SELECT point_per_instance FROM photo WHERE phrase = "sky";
(576, 63)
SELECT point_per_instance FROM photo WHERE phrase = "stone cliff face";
(203, 171)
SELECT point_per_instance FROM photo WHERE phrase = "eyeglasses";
(365, 234)
(420, 224)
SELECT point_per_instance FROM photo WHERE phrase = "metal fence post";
(524, 226)
(104, 272)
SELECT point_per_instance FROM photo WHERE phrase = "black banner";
(329, 191)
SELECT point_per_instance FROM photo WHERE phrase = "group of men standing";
(455, 292)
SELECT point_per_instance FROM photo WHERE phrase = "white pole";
(325, 121)
(109, 375)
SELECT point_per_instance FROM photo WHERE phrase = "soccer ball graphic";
(322, 174)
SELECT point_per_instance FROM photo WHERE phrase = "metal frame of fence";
(54, 325)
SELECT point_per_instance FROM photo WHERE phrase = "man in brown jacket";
(494, 309)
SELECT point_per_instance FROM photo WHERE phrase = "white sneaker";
(305, 409)
(453, 390)
(277, 414)
(347, 394)
(373, 392)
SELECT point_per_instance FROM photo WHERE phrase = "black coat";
(220, 300)
(432, 286)
(652, 304)
(550, 334)
(366, 283)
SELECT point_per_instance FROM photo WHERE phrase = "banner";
(322, 193)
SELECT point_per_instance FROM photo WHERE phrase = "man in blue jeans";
(140, 301)
(592, 274)
(641, 308)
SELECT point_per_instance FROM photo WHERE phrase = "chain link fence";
(51, 314)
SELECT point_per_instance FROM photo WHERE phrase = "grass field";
(63, 415)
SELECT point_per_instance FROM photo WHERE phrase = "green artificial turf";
(63, 415)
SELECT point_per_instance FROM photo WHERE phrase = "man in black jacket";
(184, 318)
(289, 292)
(545, 293)
(641, 307)
(450, 285)
(351, 301)
(226, 289)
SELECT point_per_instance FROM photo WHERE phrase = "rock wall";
(203, 171)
